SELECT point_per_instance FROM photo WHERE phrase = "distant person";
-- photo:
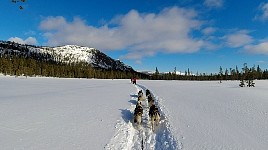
(134, 80)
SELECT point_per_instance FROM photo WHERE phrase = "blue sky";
(201, 35)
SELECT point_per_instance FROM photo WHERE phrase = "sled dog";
(138, 114)
(138, 103)
(137, 117)
(151, 102)
(154, 115)
(138, 108)
(149, 98)
(140, 93)
(140, 99)
(147, 92)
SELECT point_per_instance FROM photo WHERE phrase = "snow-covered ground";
(51, 113)
(213, 116)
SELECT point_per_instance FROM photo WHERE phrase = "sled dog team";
(153, 110)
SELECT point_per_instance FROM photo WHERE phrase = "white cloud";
(142, 34)
(213, 3)
(209, 30)
(29, 40)
(238, 39)
(138, 62)
(137, 54)
(261, 62)
(261, 48)
(51, 23)
(263, 12)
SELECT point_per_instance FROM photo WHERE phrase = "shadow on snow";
(134, 96)
(134, 102)
(126, 115)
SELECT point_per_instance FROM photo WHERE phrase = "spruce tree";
(250, 78)
(247, 76)
(226, 74)
(220, 74)
(242, 83)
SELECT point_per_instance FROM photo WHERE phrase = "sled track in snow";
(131, 137)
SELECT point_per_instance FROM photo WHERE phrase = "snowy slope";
(67, 54)
(50, 113)
(74, 52)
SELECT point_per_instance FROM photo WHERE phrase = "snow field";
(51, 113)
(77, 114)
(209, 115)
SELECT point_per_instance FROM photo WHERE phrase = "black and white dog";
(154, 115)
(140, 96)
(150, 100)
(147, 92)
(140, 93)
(138, 114)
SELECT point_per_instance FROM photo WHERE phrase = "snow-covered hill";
(68, 54)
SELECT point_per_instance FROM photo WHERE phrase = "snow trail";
(162, 138)
(131, 137)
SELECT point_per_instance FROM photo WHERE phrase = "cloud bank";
(238, 39)
(142, 34)
(172, 30)
(29, 40)
(260, 48)
(263, 12)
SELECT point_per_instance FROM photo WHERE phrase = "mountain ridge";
(67, 54)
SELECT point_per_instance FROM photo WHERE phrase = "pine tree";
(156, 71)
(226, 74)
(258, 73)
(156, 74)
(250, 78)
(237, 73)
(242, 83)
(247, 76)
(220, 74)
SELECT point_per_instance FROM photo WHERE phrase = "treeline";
(231, 74)
(18, 60)
(21, 66)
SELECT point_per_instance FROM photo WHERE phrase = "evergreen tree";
(156, 71)
(242, 83)
(156, 74)
(226, 74)
(258, 73)
(248, 76)
(237, 74)
(220, 74)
